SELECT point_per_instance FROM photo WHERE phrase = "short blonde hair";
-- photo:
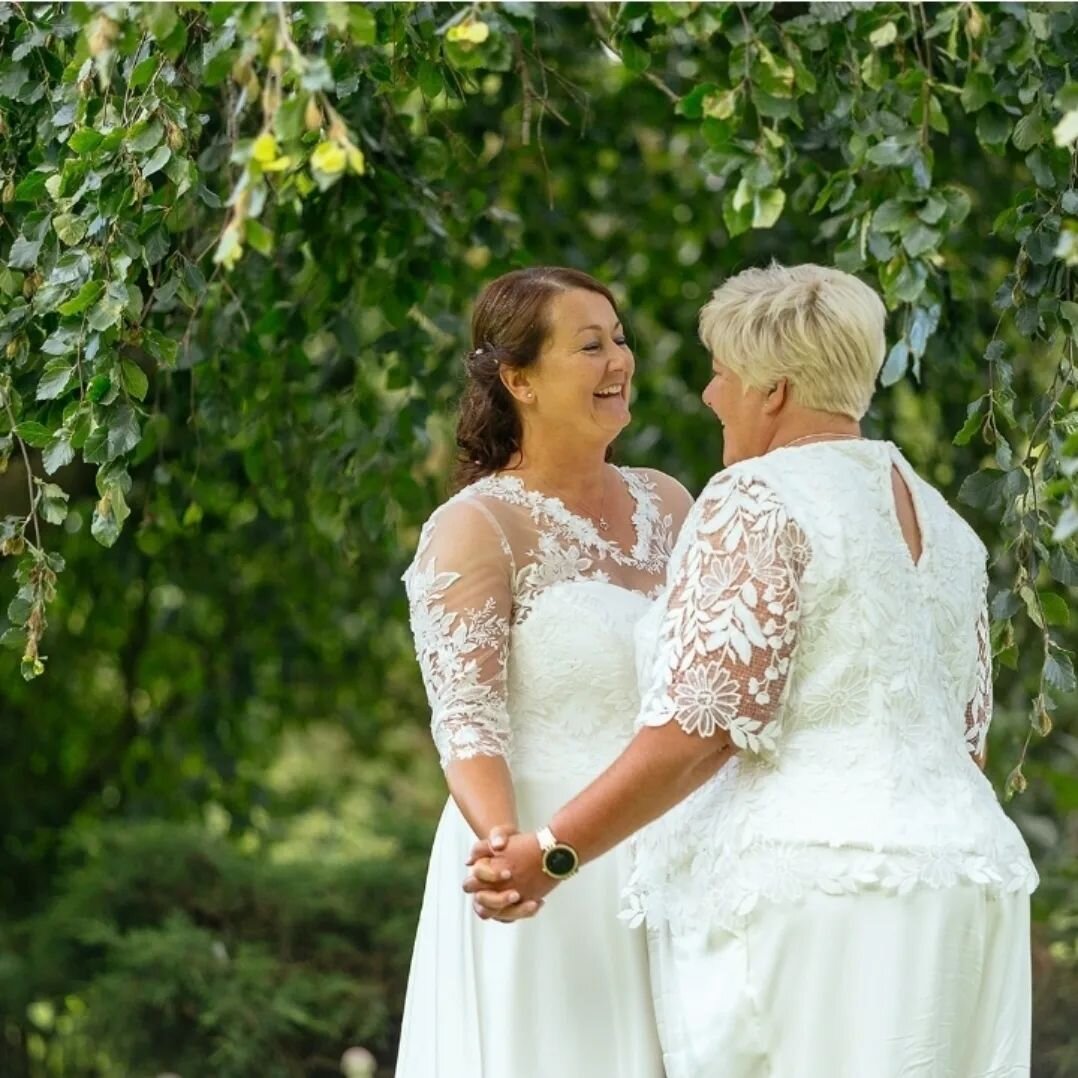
(819, 328)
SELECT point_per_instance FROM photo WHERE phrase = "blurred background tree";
(240, 246)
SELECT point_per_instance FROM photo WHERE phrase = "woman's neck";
(572, 470)
(810, 424)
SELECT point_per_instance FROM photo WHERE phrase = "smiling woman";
(524, 593)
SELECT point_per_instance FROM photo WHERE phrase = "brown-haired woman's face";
(584, 373)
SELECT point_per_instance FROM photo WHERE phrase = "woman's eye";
(621, 342)
(593, 347)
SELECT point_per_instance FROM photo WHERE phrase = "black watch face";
(560, 861)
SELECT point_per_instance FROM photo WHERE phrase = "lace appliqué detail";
(979, 709)
(726, 889)
(731, 618)
(456, 649)
(570, 547)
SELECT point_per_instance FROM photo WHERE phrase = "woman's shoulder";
(469, 516)
(660, 481)
(670, 494)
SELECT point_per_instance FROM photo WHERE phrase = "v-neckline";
(584, 527)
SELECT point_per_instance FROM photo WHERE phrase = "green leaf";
(259, 237)
(429, 79)
(144, 71)
(635, 58)
(993, 128)
(69, 227)
(33, 434)
(737, 218)
(145, 135)
(157, 161)
(85, 140)
(54, 380)
(161, 19)
(978, 91)
(87, 295)
(123, 428)
(58, 452)
(1031, 130)
(972, 424)
(134, 379)
(1056, 610)
(982, 490)
(24, 253)
(895, 365)
(99, 387)
(53, 503)
(920, 239)
(891, 215)
(362, 23)
(892, 151)
(164, 349)
(109, 515)
(1059, 672)
(109, 308)
(767, 207)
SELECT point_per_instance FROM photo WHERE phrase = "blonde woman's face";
(740, 411)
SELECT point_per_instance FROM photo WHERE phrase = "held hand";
(499, 901)
(493, 844)
(522, 859)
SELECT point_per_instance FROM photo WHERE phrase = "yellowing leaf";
(720, 106)
(278, 164)
(329, 158)
(767, 207)
(264, 149)
(884, 35)
(230, 249)
(471, 30)
(1066, 131)
(356, 161)
(743, 194)
(478, 32)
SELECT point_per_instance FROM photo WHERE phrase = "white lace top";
(855, 682)
(523, 612)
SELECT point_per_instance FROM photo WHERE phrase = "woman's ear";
(777, 397)
(515, 379)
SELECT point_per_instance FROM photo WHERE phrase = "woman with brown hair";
(524, 594)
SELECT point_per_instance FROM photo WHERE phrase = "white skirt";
(566, 993)
(933, 984)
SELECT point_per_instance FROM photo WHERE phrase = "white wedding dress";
(845, 898)
(523, 616)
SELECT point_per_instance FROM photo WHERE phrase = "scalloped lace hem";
(726, 892)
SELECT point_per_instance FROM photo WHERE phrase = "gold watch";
(560, 860)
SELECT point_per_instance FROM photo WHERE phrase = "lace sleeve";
(979, 708)
(460, 600)
(731, 621)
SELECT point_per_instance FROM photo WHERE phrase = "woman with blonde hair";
(524, 592)
(845, 898)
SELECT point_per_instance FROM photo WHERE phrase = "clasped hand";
(506, 878)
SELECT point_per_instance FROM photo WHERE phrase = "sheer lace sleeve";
(979, 709)
(731, 620)
(459, 593)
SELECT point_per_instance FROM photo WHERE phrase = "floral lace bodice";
(523, 613)
(855, 681)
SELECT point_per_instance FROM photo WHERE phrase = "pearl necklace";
(826, 436)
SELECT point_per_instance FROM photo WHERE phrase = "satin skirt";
(566, 993)
(933, 984)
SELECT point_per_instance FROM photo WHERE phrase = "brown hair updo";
(509, 328)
